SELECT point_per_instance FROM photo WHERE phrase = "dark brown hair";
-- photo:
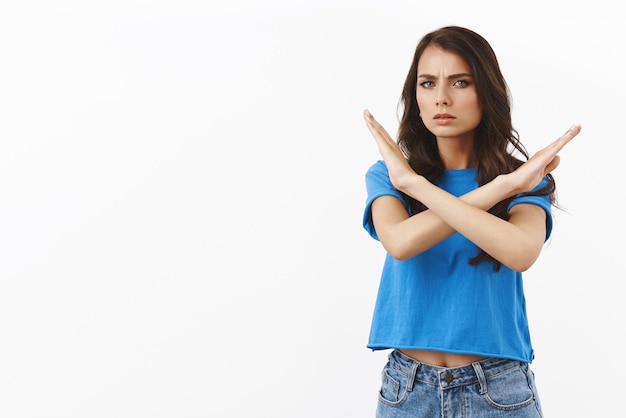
(496, 141)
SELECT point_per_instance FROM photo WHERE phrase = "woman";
(462, 211)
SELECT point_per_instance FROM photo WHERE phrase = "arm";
(516, 243)
(404, 237)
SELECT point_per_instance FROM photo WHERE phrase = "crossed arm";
(516, 243)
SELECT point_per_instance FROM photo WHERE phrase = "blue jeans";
(488, 388)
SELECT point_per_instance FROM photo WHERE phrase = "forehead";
(436, 60)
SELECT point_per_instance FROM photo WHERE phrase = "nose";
(442, 98)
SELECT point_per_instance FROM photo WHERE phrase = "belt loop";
(412, 376)
(482, 381)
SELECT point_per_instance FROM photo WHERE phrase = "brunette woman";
(462, 210)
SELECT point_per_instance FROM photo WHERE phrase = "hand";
(530, 174)
(400, 172)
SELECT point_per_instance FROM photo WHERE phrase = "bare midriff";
(437, 358)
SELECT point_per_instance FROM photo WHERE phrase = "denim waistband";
(448, 377)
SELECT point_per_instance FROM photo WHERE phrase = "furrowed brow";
(450, 77)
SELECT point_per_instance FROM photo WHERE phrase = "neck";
(457, 153)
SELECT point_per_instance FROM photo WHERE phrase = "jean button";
(448, 377)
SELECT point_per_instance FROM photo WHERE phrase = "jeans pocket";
(393, 390)
(510, 390)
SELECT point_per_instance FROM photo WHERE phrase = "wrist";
(506, 185)
(411, 184)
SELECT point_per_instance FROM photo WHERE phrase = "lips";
(443, 119)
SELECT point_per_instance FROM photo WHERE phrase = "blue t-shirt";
(437, 300)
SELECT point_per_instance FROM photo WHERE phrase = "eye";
(461, 83)
(427, 84)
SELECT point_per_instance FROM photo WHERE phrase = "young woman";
(462, 211)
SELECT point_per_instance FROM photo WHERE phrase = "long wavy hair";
(497, 145)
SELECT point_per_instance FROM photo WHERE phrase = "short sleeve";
(378, 184)
(541, 200)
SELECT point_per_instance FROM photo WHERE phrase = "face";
(446, 94)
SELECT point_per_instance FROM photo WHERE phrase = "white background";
(182, 185)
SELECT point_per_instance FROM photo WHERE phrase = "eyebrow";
(450, 77)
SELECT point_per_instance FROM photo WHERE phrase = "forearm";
(420, 232)
(503, 240)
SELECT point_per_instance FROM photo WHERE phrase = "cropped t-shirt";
(437, 300)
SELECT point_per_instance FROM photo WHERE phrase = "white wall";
(182, 185)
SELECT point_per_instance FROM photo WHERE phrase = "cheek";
(423, 98)
(474, 110)
(424, 106)
(420, 103)
(478, 114)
